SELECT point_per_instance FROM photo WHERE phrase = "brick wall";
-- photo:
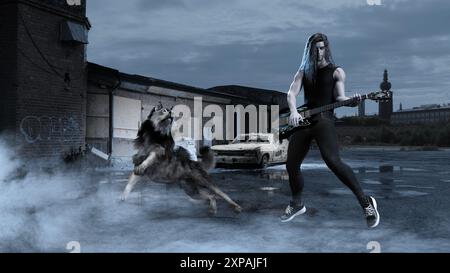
(49, 112)
(8, 56)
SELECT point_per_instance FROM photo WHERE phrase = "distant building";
(385, 108)
(431, 113)
(362, 109)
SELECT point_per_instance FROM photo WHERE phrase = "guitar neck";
(334, 105)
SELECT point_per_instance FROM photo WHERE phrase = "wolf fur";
(160, 161)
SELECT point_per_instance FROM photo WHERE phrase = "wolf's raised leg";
(212, 200)
(132, 181)
(139, 170)
(220, 193)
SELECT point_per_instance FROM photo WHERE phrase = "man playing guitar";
(323, 83)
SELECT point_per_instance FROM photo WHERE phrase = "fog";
(50, 209)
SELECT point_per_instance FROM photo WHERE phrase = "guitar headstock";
(383, 96)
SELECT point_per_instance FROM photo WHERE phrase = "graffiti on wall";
(49, 128)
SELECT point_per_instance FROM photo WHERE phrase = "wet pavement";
(412, 190)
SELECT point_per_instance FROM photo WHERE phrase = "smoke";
(7, 161)
(34, 213)
(43, 210)
(47, 209)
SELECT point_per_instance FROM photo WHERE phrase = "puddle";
(412, 186)
(411, 193)
(341, 191)
(412, 170)
(371, 182)
(270, 189)
(281, 175)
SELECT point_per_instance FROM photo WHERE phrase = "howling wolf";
(158, 160)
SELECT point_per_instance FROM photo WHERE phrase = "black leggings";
(324, 132)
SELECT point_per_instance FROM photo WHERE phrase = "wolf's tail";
(207, 161)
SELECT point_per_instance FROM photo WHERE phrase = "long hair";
(310, 53)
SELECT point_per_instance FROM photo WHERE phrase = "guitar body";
(287, 130)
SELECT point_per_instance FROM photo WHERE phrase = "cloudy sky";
(259, 43)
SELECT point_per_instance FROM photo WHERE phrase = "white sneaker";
(371, 213)
(291, 211)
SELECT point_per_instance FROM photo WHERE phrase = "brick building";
(42, 75)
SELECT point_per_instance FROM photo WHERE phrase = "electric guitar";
(286, 130)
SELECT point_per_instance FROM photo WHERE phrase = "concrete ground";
(52, 212)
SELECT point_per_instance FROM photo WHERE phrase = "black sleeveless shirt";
(321, 92)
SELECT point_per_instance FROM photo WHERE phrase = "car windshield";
(251, 139)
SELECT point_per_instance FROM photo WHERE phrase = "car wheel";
(264, 162)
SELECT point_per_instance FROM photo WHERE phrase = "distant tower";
(401, 107)
(385, 108)
(362, 109)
